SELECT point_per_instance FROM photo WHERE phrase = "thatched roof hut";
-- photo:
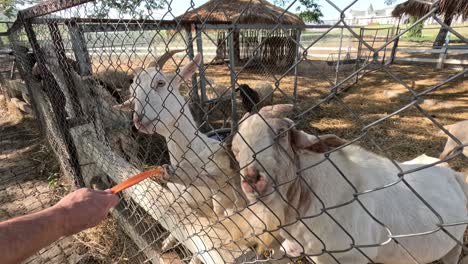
(448, 8)
(242, 11)
(275, 47)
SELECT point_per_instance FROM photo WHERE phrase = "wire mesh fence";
(119, 89)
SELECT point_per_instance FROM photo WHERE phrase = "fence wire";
(119, 89)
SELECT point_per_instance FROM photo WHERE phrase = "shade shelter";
(259, 20)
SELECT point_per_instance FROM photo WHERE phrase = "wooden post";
(24, 67)
(358, 55)
(443, 53)
(57, 100)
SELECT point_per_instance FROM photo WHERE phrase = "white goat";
(320, 209)
(160, 108)
(199, 161)
(460, 131)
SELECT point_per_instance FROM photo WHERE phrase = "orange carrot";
(158, 172)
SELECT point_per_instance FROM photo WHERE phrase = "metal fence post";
(201, 66)
(57, 100)
(79, 48)
(443, 53)
(296, 62)
(232, 68)
(65, 67)
(197, 108)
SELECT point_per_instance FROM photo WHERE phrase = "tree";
(308, 10)
(448, 10)
(416, 30)
(10, 7)
(440, 39)
(132, 8)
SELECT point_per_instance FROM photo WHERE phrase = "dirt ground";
(403, 136)
(30, 181)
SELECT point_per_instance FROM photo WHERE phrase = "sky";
(329, 12)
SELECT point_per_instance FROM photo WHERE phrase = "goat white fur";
(199, 161)
(160, 108)
(282, 176)
(460, 131)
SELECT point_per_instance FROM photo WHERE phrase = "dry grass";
(107, 243)
(402, 137)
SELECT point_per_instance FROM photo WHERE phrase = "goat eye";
(161, 83)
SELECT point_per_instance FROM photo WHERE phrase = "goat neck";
(183, 136)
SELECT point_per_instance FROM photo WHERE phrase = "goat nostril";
(251, 175)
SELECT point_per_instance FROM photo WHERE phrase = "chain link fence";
(119, 89)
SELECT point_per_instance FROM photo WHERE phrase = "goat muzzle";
(253, 181)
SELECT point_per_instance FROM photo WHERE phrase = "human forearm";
(23, 236)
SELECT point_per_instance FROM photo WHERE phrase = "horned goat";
(198, 161)
(460, 131)
(319, 188)
(160, 108)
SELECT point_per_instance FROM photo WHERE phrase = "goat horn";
(276, 111)
(126, 106)
(165, 57)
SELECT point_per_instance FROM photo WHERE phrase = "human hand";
(84, 208)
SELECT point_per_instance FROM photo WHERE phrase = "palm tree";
(449, 9)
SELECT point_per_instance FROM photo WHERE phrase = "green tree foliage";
(416, 31)
(308, 10)
(9, 8)
(131, 8)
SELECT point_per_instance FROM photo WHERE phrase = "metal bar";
(358, 56)
(395, 45)
(296, 62)
(196, 107)
(232, 69)
(110, 27)
(79, 48)
(201, 66)
(65, 68)
(48, 7)
(337, 69)
(443, 54)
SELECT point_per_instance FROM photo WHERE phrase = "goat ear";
(322, 144)
(190, 68)
(126, 106)
(276, 111)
